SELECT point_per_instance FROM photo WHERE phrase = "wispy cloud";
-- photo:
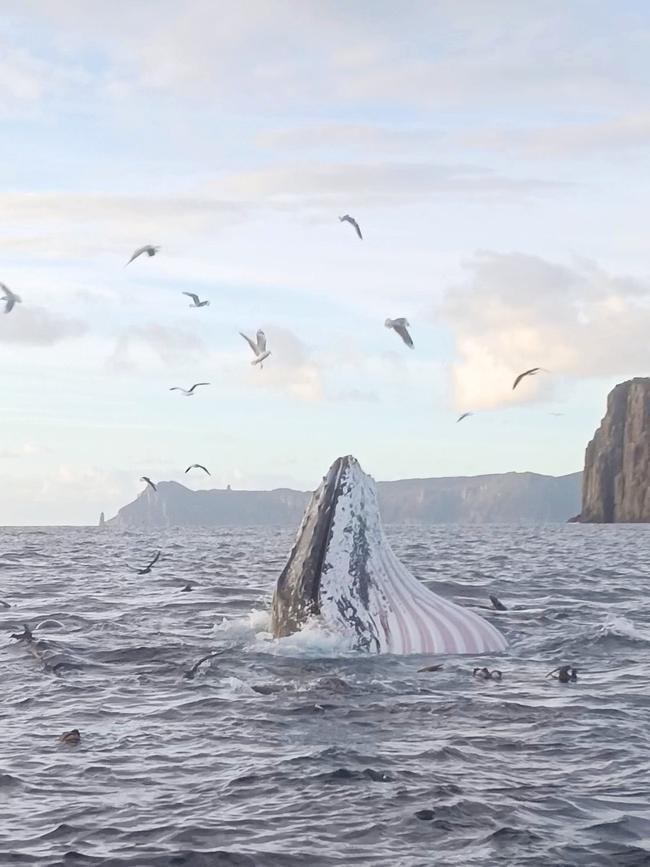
(38, 326)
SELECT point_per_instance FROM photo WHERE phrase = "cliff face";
(616, 480)
(519, 498)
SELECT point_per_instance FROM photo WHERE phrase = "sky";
(495, 154)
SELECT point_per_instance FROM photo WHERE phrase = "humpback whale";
(343, 571)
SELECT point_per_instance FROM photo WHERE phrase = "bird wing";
(348, 219)
(191, 295)
(201, 467)
(403, 332)
(461, 417)
(9, 303)
(196, 385)
(261, 341)
(189, 468)
(252, 345)
(178, 388)
(531, 372)
(155, 560)
(136, 253)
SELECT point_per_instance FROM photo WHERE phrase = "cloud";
(24, 450)
(37, 326)
(345, 136)
(167, 345)
(517, 311)
(618, 134)
(329, 184)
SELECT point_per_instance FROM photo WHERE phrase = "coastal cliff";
(616, 478)
(514, 498)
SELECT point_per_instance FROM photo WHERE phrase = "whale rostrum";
(343, 571)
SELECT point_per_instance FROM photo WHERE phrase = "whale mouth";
(297, 594)
(343, 570)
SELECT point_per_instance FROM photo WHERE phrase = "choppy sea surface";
(299, 751)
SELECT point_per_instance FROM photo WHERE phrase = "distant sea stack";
(616, 479)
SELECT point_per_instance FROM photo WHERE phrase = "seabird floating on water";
(10, 298)
(149, 249)
(348, 219)
(197, 301)
(258, 346)
(148, 481)
(197, 467)
(149, 566)
(188, 392)
(401, 326)
(531, 372)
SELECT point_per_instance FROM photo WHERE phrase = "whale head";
(343, 571)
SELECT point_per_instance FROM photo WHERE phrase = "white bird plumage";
(10, 298)
(149, 249)
(401, 326)
(258, 346)
(197, 301)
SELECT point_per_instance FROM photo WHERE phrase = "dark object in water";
(486, 674)
(4, 604)
(25, 635)
(187, 589)
(565, 674)
(497, 604)
(72, 737)
(189, 674)
(425, 815)
(431, 668)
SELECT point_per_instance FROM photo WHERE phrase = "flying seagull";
(531, 372)
(348, 219)
(147, 568)
(148, 481)
(148, 249)
(188, 392)
(197, 301)
(197, 467)
(258, 346)
(464, 415)
(10, 298)
(401, 325)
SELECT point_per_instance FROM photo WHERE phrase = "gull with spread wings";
(348, 219)
(401, 326)
(149, 249)
(188, 392)
(147, 569)
(197, 467)
(10, 298)
(531, 372)
(197, 301)
(258, 346)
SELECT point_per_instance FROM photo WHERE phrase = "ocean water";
(299, 751)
